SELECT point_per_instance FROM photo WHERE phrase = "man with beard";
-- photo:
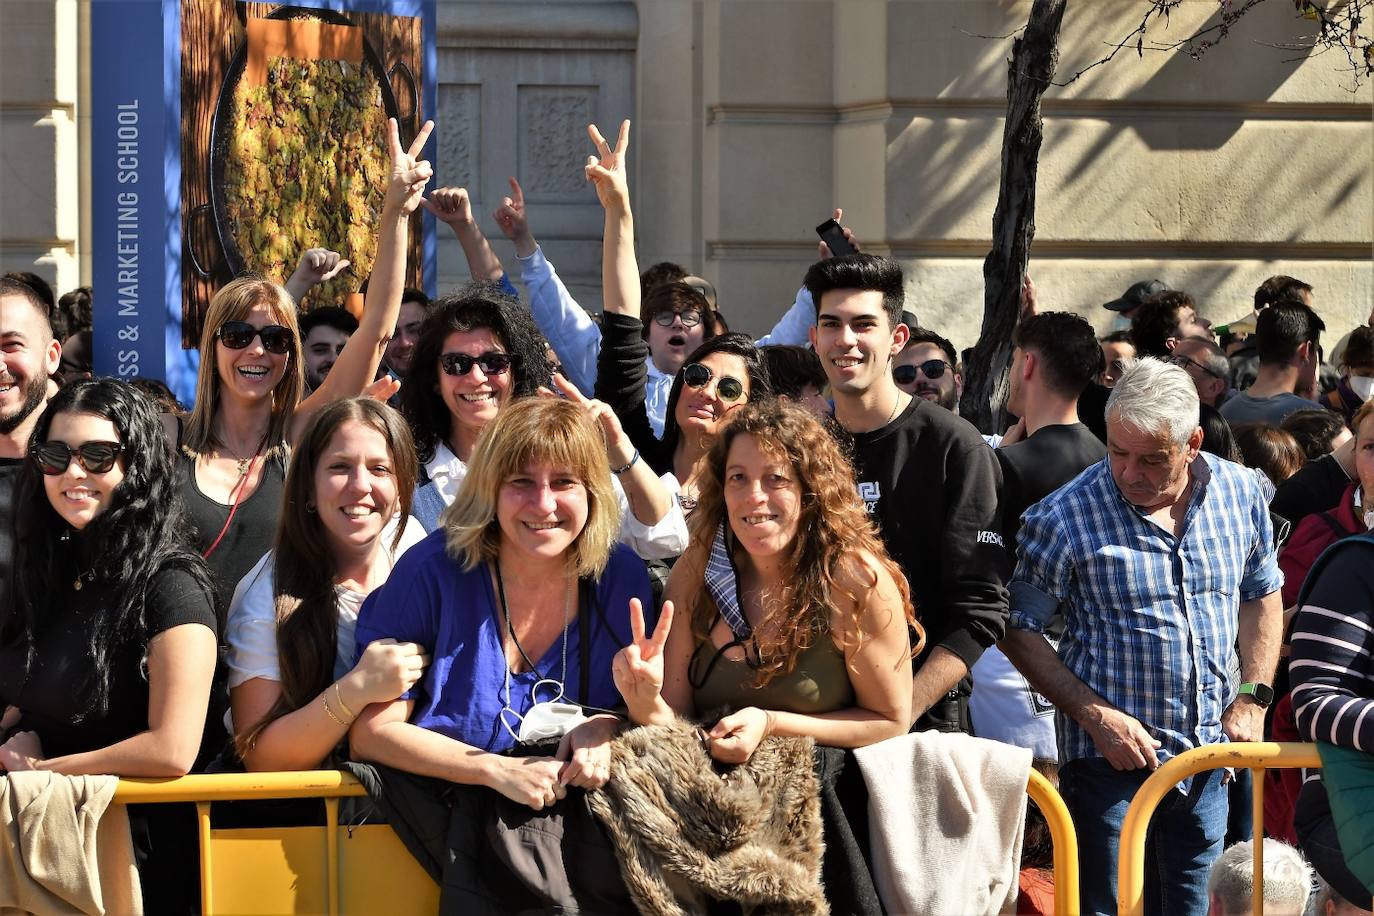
(324, 333)
(927, 368)
(930, 482)
(28, 357)
(400, 349)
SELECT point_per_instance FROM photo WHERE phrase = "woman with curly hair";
(478, 352)
(108, 646)
(797, 622)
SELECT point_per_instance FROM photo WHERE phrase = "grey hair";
(1212, 358)
(1153, 397)
(1287, 879)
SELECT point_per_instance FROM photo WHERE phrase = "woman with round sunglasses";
(479, 352)
(717, 377)
(513, 596)
(250, 407)
(293, 687)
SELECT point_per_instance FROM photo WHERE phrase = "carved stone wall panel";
(459, 128)
(552, 122)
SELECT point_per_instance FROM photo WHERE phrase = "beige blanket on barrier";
(64, 848)
(946, 813)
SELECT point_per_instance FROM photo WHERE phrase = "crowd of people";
(464, 546)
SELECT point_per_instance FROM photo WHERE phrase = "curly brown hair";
(827, 557)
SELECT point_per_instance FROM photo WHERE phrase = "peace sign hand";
(606, 170)
(638, 668)
(409, 173)
(619, 449)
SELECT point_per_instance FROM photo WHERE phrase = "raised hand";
(1029, 304)
(619, 449)
(606, 169)
(824, 250)
(409, 173)
(449, 205)
(511, 215)
(318, 265)
(638, 668)
(382, 389)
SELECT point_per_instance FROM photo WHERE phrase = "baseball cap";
(1135, 294)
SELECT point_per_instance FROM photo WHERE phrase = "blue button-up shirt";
(1150, 619)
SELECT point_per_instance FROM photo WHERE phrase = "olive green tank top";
(818, 683)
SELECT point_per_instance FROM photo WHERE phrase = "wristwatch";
(1262, 694)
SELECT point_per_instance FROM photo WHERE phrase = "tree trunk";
(1033, 59)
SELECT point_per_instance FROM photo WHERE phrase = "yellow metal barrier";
(1065, 843)
(238, 867)
(293, 869)
(1257, 757)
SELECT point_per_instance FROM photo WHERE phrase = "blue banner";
(133, 139)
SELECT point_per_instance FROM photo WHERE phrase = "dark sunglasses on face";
(931, 369)
(53, 458)
(492, 363)
(236, 335)
(690, 318)
(728, 388)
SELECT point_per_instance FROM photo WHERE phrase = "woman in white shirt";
(293, 686)
(477, 351)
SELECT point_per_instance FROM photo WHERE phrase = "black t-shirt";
(931, 484)
(1092, 409)
(9, 474)
(56, 690)
(1317, 486)
(1037, 466)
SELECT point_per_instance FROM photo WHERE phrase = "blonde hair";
(233, 302)
(534, 431)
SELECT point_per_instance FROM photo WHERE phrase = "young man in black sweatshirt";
(930, 481)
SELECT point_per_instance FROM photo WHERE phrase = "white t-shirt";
(1005, 708)
(252, 629)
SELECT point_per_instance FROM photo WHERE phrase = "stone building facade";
(753, 118)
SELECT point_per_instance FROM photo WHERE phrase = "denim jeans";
(1184, 838)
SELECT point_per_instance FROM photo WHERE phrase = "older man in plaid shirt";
(1159, 558)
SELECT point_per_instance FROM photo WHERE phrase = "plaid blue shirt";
(1150, 619)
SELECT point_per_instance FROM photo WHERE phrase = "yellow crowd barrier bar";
(1065, 843)
(1256, 757)
(332, 785)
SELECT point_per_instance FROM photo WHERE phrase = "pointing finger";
(665, 623)
(598, 140)
(516, 194)
(393, 139)
(622, 142)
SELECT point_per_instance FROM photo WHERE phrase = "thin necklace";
(895, 404)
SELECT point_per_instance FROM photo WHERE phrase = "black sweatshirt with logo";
(932, 485)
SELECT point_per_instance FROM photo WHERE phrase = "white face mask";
(546, 718)
(1362, 385)
(1120, 323)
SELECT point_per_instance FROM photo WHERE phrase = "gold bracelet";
(329, 712)
(338, 697)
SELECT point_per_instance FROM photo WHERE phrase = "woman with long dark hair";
(722, 374)
(293, 686)
(108, 645)
(479, 352)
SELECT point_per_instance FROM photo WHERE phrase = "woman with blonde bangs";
(232, 450)
(518, 599)
(797, 621)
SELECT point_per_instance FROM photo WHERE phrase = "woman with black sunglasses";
(720, 375)
(107, 649)
(232, 451)
(478, 351)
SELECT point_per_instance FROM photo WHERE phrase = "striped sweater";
(1332, 663)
